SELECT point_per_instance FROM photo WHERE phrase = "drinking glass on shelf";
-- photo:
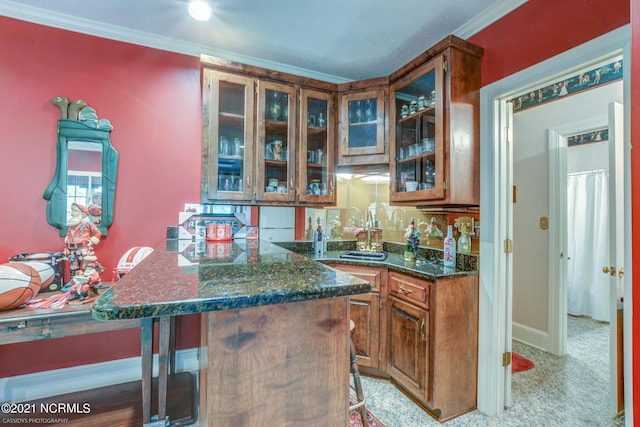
(224, 146)
(237, 147)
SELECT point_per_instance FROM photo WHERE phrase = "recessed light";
(199, 10)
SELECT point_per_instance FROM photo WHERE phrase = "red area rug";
(520, 363)
(356, 421)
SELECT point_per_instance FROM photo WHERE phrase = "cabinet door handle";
(405, 290)
(422, 335)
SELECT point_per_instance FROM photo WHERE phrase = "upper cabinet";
(434, 115)
(362, 126)
(228, 137)
(276, 142)
(316, 159)
(268, 137)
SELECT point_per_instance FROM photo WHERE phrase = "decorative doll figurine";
(412, 236)
(85, 284)
(433, 230)
(80, 239)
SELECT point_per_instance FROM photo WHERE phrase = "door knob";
(621, 272)
(605, 269)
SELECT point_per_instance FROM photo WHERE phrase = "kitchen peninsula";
(275, 332)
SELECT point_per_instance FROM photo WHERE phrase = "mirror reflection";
(85, 169)
(84, 178)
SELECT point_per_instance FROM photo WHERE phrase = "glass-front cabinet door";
(276, 148)
(417, 171)
(229, 134)
(362, 123)
(316, 175)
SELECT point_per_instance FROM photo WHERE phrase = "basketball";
(19, 283)
(45, 270)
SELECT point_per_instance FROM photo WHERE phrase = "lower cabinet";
(366, 311)
(408, 347)
(423, 334)
(433, 341)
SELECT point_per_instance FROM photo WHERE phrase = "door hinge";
(444, 185)
(514, 194)
(445, 66)
(508, 246)
(506, 358)
(508, 135)
(379, 357)
(386, 97)
(380, 303)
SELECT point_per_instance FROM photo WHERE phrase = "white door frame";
(493, 334)
(557, 315)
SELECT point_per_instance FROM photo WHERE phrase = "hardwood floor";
(117, 405)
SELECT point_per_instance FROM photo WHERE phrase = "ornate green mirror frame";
(86, 167)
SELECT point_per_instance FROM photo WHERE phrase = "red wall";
(152, 98)
(540, 29)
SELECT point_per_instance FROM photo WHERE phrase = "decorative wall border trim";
(580, 82)
(598, 135)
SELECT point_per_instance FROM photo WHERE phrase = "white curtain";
(588, 246)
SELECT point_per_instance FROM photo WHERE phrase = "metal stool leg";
(358, 387)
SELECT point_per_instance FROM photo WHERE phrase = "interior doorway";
(496, 195)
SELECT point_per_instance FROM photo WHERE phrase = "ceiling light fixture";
(199, 10)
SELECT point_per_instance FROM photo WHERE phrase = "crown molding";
(113, 32)
(487, 17)
(91, 27)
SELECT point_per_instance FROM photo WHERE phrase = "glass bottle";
(275, 108)
(464, 244)
(449, 248)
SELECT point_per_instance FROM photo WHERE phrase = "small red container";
(220, 232)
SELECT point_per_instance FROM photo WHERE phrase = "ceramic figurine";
(412, 237)
(81, 237)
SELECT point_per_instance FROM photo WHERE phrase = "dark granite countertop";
(421, 268)
(171, 281)
(428, 266)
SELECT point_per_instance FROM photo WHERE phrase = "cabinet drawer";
(370, 274)
(409, 289)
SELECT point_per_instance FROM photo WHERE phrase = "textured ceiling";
(337, 40)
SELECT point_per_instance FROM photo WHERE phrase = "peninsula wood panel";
(277, 365)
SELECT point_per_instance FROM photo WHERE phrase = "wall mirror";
(86, 167)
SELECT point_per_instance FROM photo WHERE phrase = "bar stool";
(357, 383)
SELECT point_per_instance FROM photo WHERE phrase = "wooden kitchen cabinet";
(363, 122)
(408, 347)
(433, 341)
(434, 127)
(368, 312)
(259, 130)
(276, 142)
(316, 157)
(228, 136)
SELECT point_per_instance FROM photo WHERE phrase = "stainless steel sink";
(364, 255)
